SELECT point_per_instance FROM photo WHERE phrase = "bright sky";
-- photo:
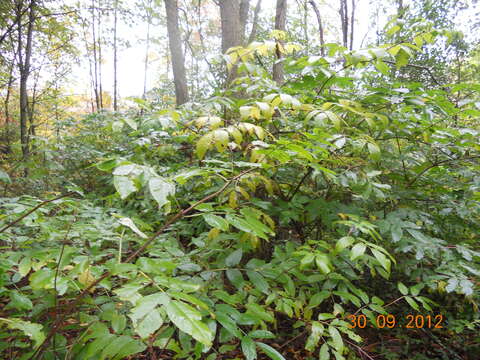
(131, 59)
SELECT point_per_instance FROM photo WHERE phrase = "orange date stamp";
(390, 321)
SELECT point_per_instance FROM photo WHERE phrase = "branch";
(438, 163)
(429, 71)
(34, 209)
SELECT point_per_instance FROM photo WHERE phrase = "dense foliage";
(264, 222)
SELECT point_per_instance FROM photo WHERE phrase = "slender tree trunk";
(352, 22)
(178, 60)
(320, 26)
(280, 24)
(305, 26)
(344, 20)
(24, 65)
(99, 42)
(7, 106)
(147, 49)
(95, 60)
(243, 11)
(115, 60)
(256, 13)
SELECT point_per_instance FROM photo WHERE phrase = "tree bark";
(320, 26)
(115, 59)
(352, 22)
(95, 61)
(256, 13)
(243, 13)
(7, 105)
(24, 67)
(99, 42)
(231, 27)
(147, 48)
(178, 59)
(344, 20)
(280, 24)
(230, 19)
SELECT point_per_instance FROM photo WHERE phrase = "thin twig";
(34, 209)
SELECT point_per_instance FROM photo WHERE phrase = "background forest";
(236, 179)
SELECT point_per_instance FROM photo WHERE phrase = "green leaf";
(216, 221)
(32, 330)
(42, 279)
(307, 260)
(128, 346)
(382, 259)
(19, 301)
(270, 352)
(234, 258)
(382, 67)
(259, 312)
(160, 190)
(227, 322)
(119, 322)
(348, 296)
(247, 225)
(203, 145)
(324, 353)
(235, 276)
(412, 303)
(248, 348)
(318, 298)
(24, 266)
(4, 177)
(145, 318)
(130, 122)
(314, 338)
(357, 251)
(107, 165)
(124, 186)
(187, 319)
(343, 243)
(258, 281)
(403, 289)
(261, 334)
(323, 263)
(336, 338)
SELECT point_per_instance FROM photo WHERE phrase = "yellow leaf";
(86, 279)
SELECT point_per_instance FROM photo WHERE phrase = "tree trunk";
(352, 22)
(320, 26)
(231, 27)
(344, 20)
(115, 60)
(230, 18)
(178, 60)
(24, 67)
(280, 24)
(256, 13)
(7, 106)
(95, 61)
(243, 13)
(147, 49)
(99, 42)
